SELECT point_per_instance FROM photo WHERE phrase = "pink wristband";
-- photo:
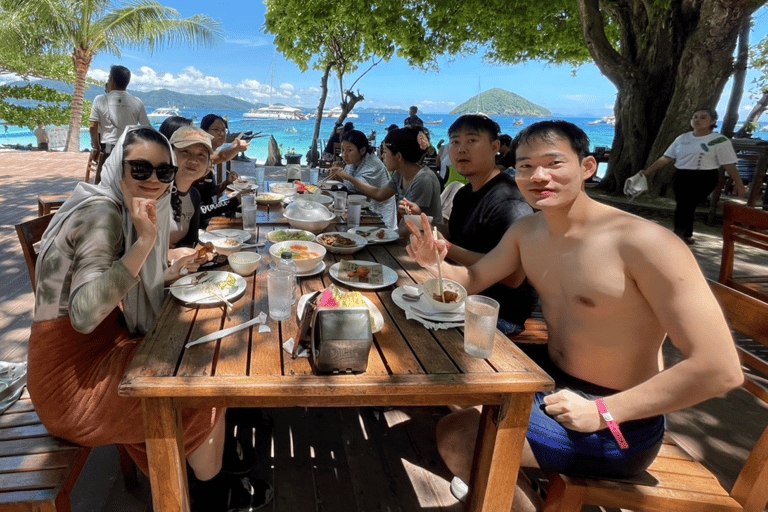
(612, 425)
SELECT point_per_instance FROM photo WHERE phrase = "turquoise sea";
(297, 135)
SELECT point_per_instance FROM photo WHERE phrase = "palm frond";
(146, 23)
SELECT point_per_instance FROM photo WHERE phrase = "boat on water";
(439, 121)
(519, 122)
(278, 112)
(609, 120)
(382, 119)
(160, 114)
(335, 112)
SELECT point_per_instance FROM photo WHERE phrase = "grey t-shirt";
(424, 190)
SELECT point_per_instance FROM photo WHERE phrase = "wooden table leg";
(498, 450)
(167, 474)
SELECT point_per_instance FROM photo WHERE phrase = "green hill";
(498, 102)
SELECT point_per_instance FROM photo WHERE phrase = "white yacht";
(280, 112)
(160, 114)
(334, 113)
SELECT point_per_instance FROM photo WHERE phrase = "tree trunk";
(314, 151)
(739, 77)
(754, 115)
(667, 65)
(82, 59)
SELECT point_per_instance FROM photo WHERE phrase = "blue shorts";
(595, 454)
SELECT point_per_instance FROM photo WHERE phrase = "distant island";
(498, 102)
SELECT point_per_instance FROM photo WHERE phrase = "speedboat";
(279, 112)
(160, 114)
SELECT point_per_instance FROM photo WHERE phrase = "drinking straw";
(439, 272)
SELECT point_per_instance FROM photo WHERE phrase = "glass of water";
(280, 286)
(480, 317)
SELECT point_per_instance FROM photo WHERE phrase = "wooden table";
(408, 366)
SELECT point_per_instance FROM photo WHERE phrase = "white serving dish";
(360, 242)
(303, 264)
(308, 215)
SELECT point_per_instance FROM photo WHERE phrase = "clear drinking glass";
(353, 214)
(259, 175)
(339, 203)
(480, 317)
(249, 218)
(280, 286)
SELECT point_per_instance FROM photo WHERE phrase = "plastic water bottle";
(287, 263)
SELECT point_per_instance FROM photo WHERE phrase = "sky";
(245, 65)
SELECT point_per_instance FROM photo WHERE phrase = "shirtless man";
(612, 285)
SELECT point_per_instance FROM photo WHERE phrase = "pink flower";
(423, 141)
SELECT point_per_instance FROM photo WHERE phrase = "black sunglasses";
(142, 170)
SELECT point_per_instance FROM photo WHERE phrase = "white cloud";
(193, 81)
(262, 41)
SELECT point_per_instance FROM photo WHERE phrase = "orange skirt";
(73, 377)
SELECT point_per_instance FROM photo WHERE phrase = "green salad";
(289, 235)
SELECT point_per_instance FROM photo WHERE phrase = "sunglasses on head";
(142, 171)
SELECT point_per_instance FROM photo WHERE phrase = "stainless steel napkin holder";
(341, 340)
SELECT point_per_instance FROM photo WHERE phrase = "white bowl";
(308, 215)
(286, 189)
(416, 219)
(431, 287)
(359, 242)
(226, 246)
(244, 263)
(307, 255)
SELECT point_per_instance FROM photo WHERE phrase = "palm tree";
(88, 27)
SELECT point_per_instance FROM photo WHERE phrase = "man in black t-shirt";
(413, 119)
(484, 209)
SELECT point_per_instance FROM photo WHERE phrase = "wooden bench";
(675, 481)
(37, 470)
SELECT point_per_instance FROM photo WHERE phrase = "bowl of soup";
(307, 255)
(453, 294)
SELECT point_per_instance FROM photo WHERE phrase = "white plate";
(201, 294)
(390, 235)
(360, 242)
(309, 236)
(319, 268)
(237, 234)
(389, 277)
(422, 304)
(378, 319)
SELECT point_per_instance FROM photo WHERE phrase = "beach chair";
(675, 481)
(748, 227)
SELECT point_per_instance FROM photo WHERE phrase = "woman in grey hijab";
(100, 278)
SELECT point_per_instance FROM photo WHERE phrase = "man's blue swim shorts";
(595, 454)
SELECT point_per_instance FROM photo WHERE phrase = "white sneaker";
(459, 489)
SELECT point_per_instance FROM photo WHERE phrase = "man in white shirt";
(111, 113)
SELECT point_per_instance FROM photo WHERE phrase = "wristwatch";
(612, 425)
